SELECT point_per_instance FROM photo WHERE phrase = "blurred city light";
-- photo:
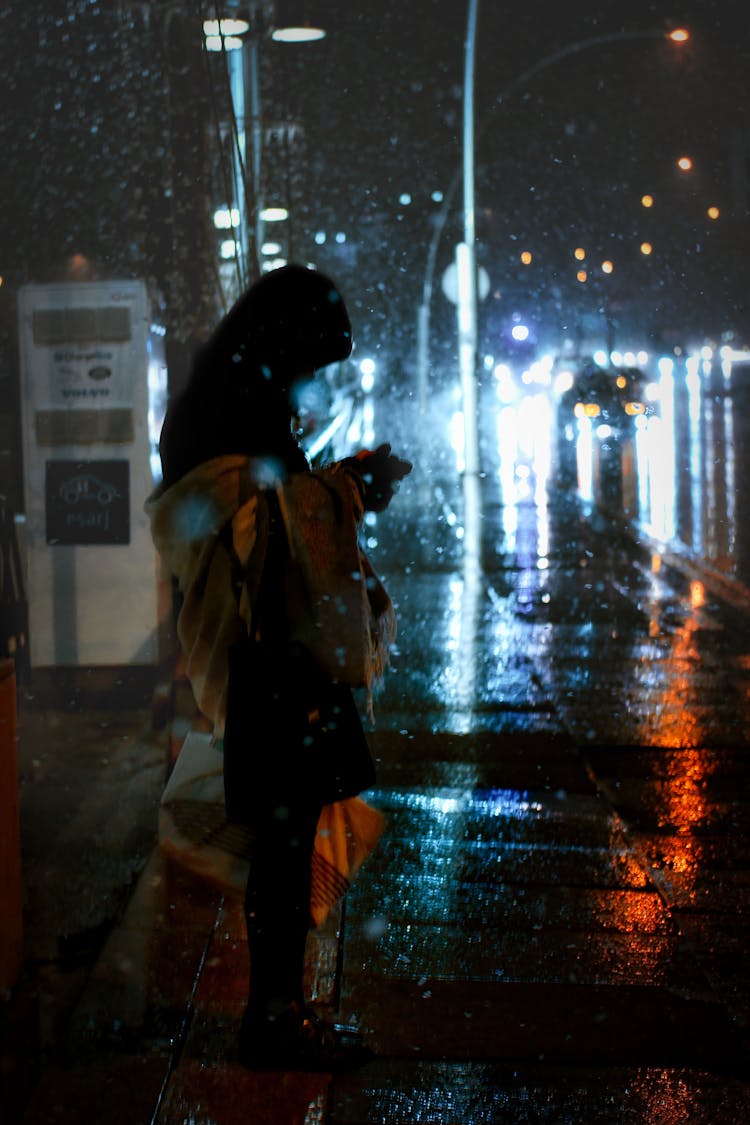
(647, 200)
(506, 387)
(223, 35)
(563, 382)
(226, 218)
(293, 26)
(685, 164)
(519, 332)
(456, 431)
(367, 371)
(274, 214)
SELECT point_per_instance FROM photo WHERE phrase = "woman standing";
(279, 614)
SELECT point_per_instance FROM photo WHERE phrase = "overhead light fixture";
(274, 214)
(292, 23)
(223, 35)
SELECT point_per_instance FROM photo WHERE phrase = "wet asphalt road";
(555, 926)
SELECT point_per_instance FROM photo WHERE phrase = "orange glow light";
(713, 212)
(679, 35)
(582, 276)
(685, 164)
(526, 258)
(647, 200)
(579, 253)
(587, 410)
(646, 248)
(607, 266)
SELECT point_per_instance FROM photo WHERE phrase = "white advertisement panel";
(93, 398)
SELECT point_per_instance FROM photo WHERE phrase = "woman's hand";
(381, 472)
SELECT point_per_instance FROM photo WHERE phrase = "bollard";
(11, 924)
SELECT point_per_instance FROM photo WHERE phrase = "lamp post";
(466, 262)
(250, 24)
(466, 258)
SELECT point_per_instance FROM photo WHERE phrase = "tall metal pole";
(466, 263)
(256, 125)
(519, 82)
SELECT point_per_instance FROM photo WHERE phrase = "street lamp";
(468, 295)
(293, 23)
(238, 37)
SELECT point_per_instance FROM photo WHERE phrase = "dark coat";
(293, 320)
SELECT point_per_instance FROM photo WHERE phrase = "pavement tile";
(513, 816)
(222, 985)
(481, 759)
(404, 1092)
(114, 1089)
(394, 715)
(139, 989)
(449, 952)
(526, 864)
(685, 804)
(471, 1021)
(717, 767)
(628, 723)
(722, 947)
(227, 1094)
(168, 896)
(687, 858)
(475, 906)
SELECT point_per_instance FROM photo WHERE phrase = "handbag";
(195, 833)
(289, 729)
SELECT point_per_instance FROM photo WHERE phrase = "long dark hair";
(293, 320)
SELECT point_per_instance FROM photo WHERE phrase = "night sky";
(106, 154)
(565, 158)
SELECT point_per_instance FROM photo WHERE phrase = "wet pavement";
(555, 926)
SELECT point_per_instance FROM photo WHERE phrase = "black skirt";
(291, 733)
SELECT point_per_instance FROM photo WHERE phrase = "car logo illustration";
(86, 488)
(100, 373)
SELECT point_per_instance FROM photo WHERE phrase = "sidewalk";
(556, 924)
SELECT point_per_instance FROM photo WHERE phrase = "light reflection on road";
(673, 469)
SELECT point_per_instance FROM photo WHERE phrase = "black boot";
(298, 1039)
